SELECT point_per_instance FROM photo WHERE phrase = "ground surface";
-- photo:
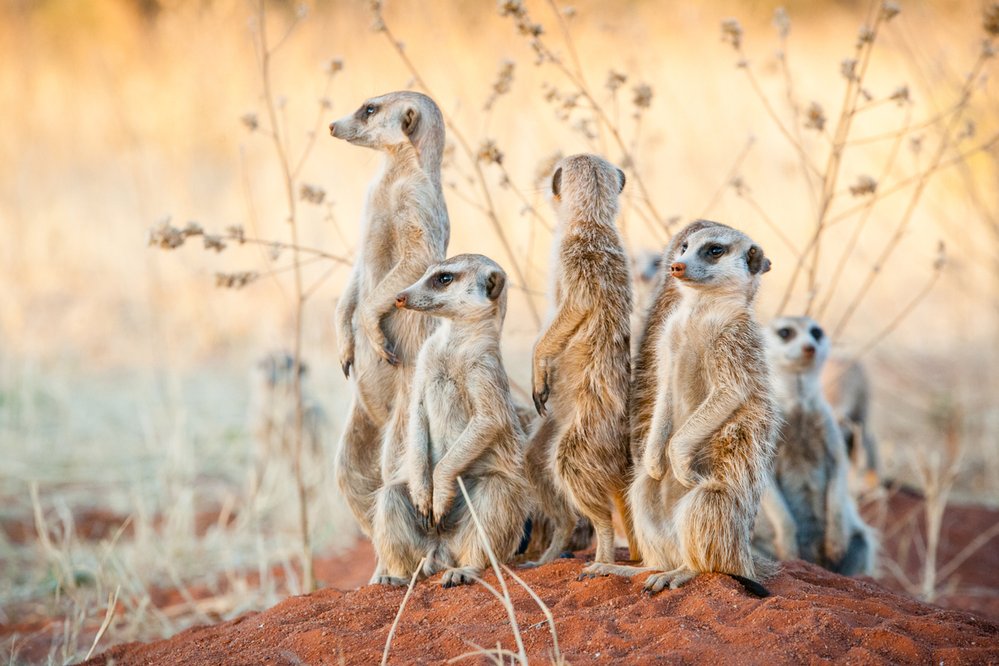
(811, 615)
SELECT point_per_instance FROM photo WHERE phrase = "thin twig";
(402, 607)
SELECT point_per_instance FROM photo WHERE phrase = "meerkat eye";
(683, 248)
(816, 333)
(444, 279)
(785, 333)
(716, 250)
(370, 109)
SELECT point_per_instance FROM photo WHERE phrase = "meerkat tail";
(624, 509)
(751, 586)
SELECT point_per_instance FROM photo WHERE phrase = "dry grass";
(123, 374)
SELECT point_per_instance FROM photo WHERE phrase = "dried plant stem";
(831, 173)
(905, 312)
(281, 149)
(108, 616)
(402, 607)
(883, 193)
(499, 574)
(466, 147)
(892, 243)
(865, 216)
(729, 177)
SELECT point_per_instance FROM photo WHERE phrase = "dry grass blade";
(402, 607)
(108, 616)
(507, 603)
(544, 609)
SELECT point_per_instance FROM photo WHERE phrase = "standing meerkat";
(462, 423)
(710, 442)
(848, 390)
(405, 230)
(578, 457)
(811, 465)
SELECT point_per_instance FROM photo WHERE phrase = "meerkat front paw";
(541, 389)
(652, 462)
(443, 499)
(423, 503)
(347, 355)
(679, 462)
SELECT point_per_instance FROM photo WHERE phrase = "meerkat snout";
(400, 301)
(677, 268)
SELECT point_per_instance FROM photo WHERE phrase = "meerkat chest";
(445, 396)
(683, 352)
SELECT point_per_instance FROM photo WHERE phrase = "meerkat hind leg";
(399, 542)
(658, 582)
(456, 576)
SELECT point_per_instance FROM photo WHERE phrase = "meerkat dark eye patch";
(366, 111)
(817, 333)
(785, 333)
(684, 246)
(623, 181)
(557, 182)
(712, 252)
(443, 279)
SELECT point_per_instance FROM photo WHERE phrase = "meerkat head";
(718, 258)
(647, 264)
(797, 344)
(467, 287)
(392, 120)
(278, 369)
(586, 186)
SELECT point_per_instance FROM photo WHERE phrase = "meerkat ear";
(495, 282)
(557, 182)
(410, 121)
(758, 263)
(623, 181)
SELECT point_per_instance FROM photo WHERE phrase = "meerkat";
(273, 409)
(709, 445)
(848, 390)
(646, 275)
(578, 456)
(462, 423)
(811, 465)
(405, 230)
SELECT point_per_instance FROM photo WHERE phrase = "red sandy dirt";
(812, 615)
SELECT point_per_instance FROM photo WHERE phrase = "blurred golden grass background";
(125, 376)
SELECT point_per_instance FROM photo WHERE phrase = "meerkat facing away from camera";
(578, 455)
(811, 465)
(405, 230)
(710, 443)
(462, 423)
(848, 390)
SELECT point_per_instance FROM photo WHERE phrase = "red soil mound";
(812, 615)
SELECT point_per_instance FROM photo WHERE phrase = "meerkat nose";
(808, 350)
(400, 301)
(677, 269)
(333, 128)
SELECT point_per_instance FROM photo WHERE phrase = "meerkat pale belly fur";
(578, 456)
(710, 442)
(405, 230)
(462, 423)
(811, 465)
